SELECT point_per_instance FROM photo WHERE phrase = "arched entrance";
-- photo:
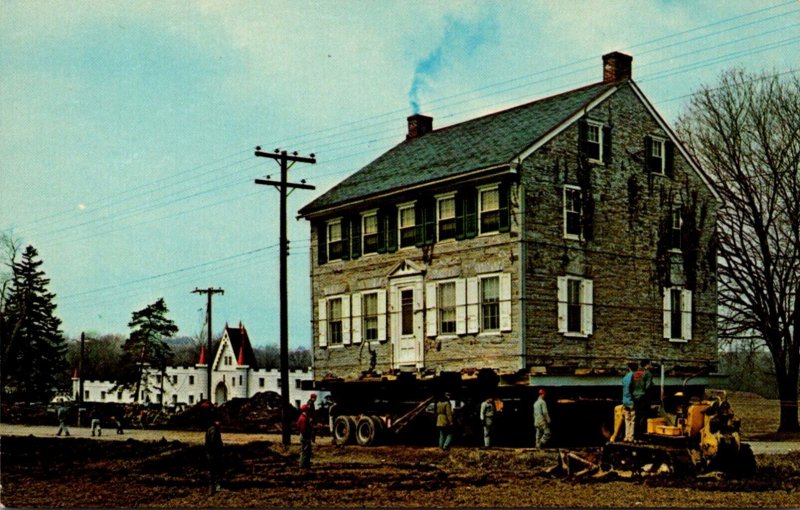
(221, 394)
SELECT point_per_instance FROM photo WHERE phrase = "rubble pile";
(30, 414)
(260, 413)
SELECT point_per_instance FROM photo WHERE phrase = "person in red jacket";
(305, 425)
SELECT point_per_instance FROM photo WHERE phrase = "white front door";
(406, 311)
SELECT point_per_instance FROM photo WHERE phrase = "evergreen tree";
(146, 346)
(34, 349)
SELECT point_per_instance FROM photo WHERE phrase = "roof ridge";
(512, 108)
(484, 141)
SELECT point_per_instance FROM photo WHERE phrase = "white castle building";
(234, 374)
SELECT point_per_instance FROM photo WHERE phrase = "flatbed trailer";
(401, 408)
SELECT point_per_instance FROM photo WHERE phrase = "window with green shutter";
(406, 217)
(446, 209)
(489, 204)
(370, 232)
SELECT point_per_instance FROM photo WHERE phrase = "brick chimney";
(419, 125)
(616, 67)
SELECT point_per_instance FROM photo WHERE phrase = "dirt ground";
(141, 470)
(85, 473)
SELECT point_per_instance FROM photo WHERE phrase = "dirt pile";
(259, 413)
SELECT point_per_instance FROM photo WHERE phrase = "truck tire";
(367, 431)
(344, 429)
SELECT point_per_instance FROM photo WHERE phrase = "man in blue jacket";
(628, 404)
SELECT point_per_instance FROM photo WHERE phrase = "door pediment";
(406, 268)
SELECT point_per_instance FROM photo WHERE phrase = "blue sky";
(128, 127)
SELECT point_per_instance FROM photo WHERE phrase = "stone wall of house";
(625, 256)
(491, 253)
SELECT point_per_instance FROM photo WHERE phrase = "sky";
(128, 127)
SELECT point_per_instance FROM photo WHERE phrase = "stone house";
(550, 243)
(234, 374)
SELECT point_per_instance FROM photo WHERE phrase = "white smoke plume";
(459, 42)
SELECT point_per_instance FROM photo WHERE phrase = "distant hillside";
(181, 341)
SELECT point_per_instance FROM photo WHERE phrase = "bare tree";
(745, 132)
(102, 356)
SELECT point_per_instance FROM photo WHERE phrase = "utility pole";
(283, 187)
(210, 291)
(80, 369)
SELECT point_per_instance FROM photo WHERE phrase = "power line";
(113, 196)
(734, 55)
(182, 270)
(362, 126)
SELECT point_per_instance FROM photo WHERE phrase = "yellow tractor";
(701, 436)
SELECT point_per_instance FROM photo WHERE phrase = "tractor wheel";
(367, 431)
(344, 429)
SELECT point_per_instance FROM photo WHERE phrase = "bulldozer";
(700, 436)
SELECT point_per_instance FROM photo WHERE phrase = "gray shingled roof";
(484, 142)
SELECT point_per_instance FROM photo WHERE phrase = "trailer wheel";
(367, 431)
(344, 429)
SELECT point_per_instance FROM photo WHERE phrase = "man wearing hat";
(541, 420)
(305, 425)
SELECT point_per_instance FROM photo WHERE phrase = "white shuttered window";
(677, 305)
(575, 310)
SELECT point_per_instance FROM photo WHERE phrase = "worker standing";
(628, 409)
(95, 423)
(305, 425)
(61, 414)
(311, 403)
(541, 420)
(642, 382)
(312, 412)
(214, 457)
(487, 419)
(444, 421)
